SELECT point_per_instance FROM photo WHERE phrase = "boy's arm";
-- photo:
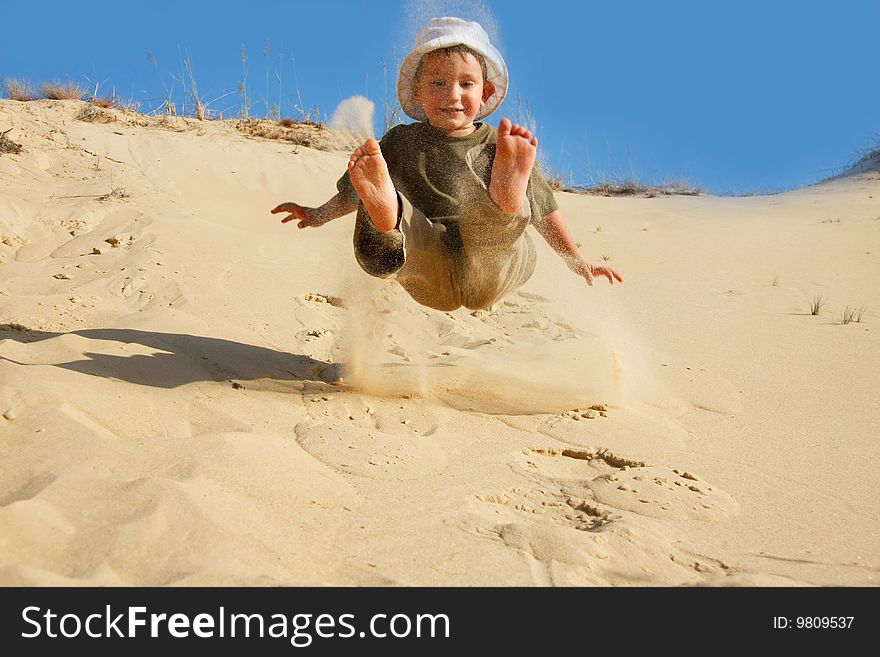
(554, 231)
(336, 207)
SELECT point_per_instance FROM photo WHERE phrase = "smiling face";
(451, 89)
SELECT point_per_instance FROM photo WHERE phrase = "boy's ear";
(488, 91)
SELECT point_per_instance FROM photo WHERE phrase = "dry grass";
(557, 183)
(852, 314)
(631, 187)
(392, 112)
(871, 155)
(7, 145)
(103, 102)
(62, 90)
(93, 114)
(19, 90)
(867, 160)
(311, 135)
(199, 108)
(302, 134)
(114, 102)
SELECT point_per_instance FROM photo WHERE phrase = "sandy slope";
(222, 399)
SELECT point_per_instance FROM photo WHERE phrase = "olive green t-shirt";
(426, 164)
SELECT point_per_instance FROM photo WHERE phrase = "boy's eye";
(437, 83)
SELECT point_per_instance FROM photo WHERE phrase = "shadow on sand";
(184, 359)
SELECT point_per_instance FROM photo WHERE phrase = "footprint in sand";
(554, 505)
(315, 311)
(95, 231)
(349, 435)
(318, 343)
(624, 484)
(316, 297)
(579, 414)
(587, 489)
(522, 317)
(580, 519)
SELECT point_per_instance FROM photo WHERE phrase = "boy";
(479, 186)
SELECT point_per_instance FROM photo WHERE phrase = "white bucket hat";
(443, 33)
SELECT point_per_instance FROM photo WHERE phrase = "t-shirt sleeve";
(346, 189)
(540, 196)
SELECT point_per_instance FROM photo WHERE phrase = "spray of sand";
(630, 379)
(373, 319)
(418, 12)
(355, 116)
(390, 346)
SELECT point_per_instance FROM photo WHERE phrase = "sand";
(214, 398)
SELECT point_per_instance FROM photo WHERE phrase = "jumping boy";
(443, 204)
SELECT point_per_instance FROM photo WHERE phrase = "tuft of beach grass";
(20, 90)
(852, 315)
(62, 90)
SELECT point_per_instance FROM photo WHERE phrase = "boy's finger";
(288, 207)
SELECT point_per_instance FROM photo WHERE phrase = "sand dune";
(195, 394)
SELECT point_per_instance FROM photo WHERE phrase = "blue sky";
(747, 96)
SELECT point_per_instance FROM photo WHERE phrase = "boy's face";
(452, 91)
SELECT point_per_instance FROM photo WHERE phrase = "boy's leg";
(515, 154)
(498, 255)
(489, 278)
(417, 253)
(369, 176)
(393, 238)
(380, 254)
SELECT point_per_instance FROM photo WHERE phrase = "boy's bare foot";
(370, 177)
(514, 158)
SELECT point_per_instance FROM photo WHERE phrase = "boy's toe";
(371, 147)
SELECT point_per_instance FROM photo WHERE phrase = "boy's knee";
(379, 254)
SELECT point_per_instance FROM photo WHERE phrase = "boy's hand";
(583, 268)
(308, 217)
